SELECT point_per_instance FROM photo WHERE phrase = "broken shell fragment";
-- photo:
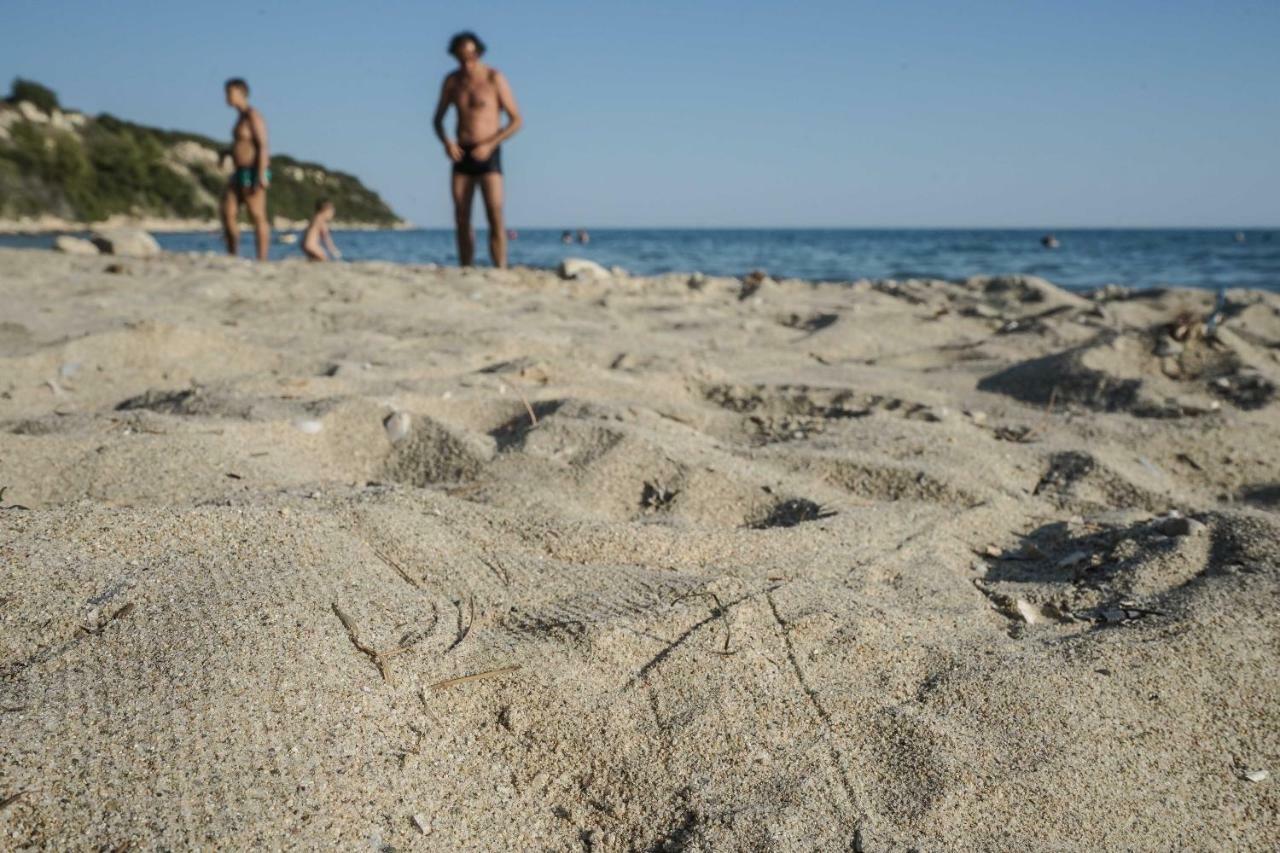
(1030, 613)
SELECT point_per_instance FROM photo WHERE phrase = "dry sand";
(806, 568)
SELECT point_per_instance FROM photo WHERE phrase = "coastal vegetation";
(85, 169)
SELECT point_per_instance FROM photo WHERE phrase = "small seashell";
(397, 425)
(1257, 775)
(423, 823)
(310, 427)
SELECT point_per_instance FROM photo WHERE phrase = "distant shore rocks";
(69, 245)
(129, 242)
(575, 268)
(126, 242)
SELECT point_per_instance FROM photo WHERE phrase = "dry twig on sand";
(463, 630)
(4, 489)
(1025, 435)
(400, 570)
(102, 626)
(382, 660)
(1048, 411)
(489, 673)
(495, 566)
(718, 610)
(533, 418)
(13, 798)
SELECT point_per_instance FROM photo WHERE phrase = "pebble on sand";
(1177, 525)
(572, 268)
(310, 427)
(397, 425)
(131, 242)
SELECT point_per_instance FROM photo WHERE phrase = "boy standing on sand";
(480, 94)
(252, 175)
(318, 232)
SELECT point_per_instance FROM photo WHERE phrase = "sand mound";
(1025, 294)
(433, 453)
(1107, 573)
(1147, 374)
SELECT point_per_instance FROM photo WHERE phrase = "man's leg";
(257, 204)
(231, 228)
(464, 189)
(491, 186)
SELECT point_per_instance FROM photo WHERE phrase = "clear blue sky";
(728, 112)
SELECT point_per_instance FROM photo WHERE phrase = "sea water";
(1084, 258)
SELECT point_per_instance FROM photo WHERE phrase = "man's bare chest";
(478, 96)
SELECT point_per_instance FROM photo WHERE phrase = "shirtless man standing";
(480, 94)
(249, 182)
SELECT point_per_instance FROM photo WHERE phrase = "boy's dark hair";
(466, 35)
(237, 83)
(323, 203)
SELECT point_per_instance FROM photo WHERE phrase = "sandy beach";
(367, 556)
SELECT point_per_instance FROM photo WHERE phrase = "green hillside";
(82, 168)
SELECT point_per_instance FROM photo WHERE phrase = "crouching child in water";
(318, 238)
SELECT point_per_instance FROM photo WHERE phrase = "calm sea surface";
(1085, 258)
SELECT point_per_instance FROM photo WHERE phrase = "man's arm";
(259, 127)
(451, 148)
(507, 102)
(328, 243)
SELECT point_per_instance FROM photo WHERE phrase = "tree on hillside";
(42, 97)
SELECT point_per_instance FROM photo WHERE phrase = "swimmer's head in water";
(237, 91)
(466, 45)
